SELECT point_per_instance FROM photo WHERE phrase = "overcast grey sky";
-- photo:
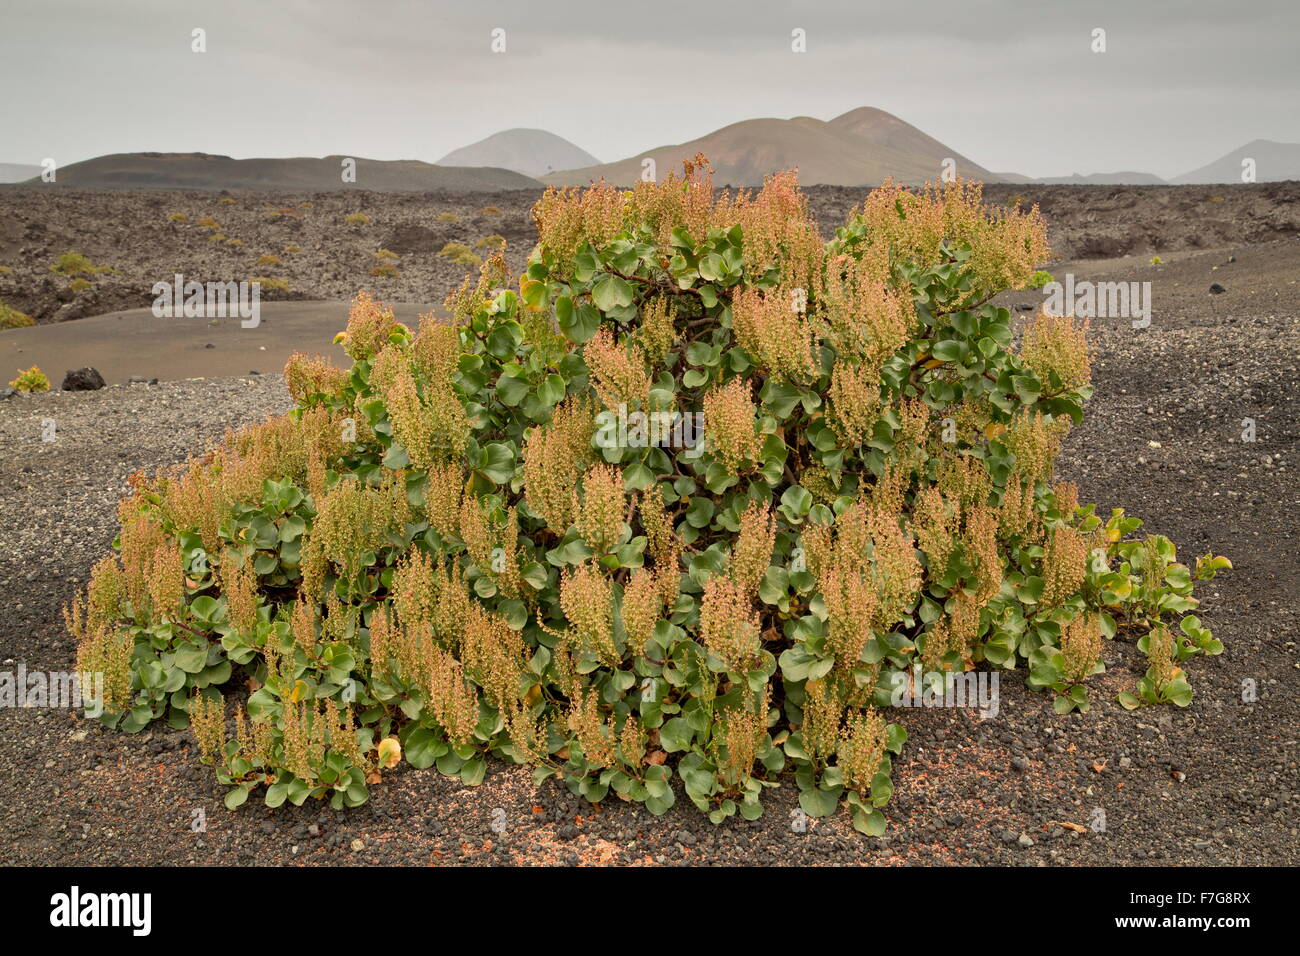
(1013, 84)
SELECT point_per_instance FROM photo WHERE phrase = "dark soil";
(129, 230)
(1216, 783)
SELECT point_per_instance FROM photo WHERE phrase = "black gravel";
(1215, 783)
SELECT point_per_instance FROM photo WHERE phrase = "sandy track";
(135, 343)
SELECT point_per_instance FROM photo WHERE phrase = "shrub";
(216, 237)
(490, 211)
(178, 217)
(207, 222)
(234, 242)
(74, 264)
(292, 250)
(492, 243)
(227, 201)
(6, 271)
(477, 542)
(269, 260)
(31, 380)
(80, 285)
(448, 217)
(357, 219)
(460, 254)
(11, 318)
(385, 269)
(386, 254)
(272, 285)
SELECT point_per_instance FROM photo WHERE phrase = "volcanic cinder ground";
(1215, 783)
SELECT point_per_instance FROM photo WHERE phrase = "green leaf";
(700, 353)
(1030, 591)
(637, 477)
(579, 324)
(511, 389)
(207, 609)
(1027, 388)
(950, 350)
(191, 657)
(499, 465)
(1128, 701)
(504, 339)
(820, 803)
(1178, 692)
(552, 389)
(871, 821)
(611, 292)
(676, 735)
(396, 458)
(796, 502)
(700, 513)
(471, 774)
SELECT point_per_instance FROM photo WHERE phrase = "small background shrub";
(11, 318)
(31, 380)
(75, 264)
(460, 254)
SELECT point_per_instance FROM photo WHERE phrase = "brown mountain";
(863, 147)
(1274, 162)
(17, 172)
(204, 171)
(533, 152)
